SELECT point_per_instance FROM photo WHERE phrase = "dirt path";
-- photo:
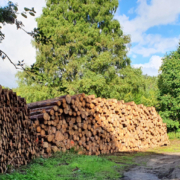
(164, 166)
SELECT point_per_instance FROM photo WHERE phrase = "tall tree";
(169, 86)
(86, 51)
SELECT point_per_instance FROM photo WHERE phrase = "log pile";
(17, 135)
(95, 125)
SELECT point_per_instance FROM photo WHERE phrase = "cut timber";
(59, 136)
(98, 126)
(44, 104)
(18, 135)
(43, 116)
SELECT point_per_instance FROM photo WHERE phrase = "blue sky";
(153, 25)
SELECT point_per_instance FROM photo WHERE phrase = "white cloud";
(7, 72)
(17, 44)
(131, 11)
(151, 68)
(159, 12)
(155, 44)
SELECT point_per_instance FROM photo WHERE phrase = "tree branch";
(4, 55)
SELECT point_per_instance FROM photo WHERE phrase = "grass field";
(174, 147)
(71, 166)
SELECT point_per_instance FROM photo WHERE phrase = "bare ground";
(160, 164)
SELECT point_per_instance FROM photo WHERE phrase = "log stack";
(17, 135)
(95, 125)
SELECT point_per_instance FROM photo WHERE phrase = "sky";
(153, 25)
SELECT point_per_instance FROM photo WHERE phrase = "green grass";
(173, 147)
(71, 166)
(173, 135)
(67, 166)
(127, 159)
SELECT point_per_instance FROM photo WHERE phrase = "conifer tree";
(86, 51)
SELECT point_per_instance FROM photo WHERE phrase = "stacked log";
(134, 127)
(96, 125)
(17, 135)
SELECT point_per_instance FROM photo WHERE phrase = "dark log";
(43, 116)
(0, 89)
(41, 104)
(43, 109)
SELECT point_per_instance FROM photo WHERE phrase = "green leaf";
(33, 10)
(26, 9)
(14, 16)
(15, 8)
(23, 15)
(32, 14)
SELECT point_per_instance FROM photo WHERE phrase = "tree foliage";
(8, 15)
(147, 94)
(86, 51)
(169, 86)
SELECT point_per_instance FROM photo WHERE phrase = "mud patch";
(155, 167)
(139, 175)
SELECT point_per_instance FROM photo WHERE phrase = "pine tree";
(86, 51)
